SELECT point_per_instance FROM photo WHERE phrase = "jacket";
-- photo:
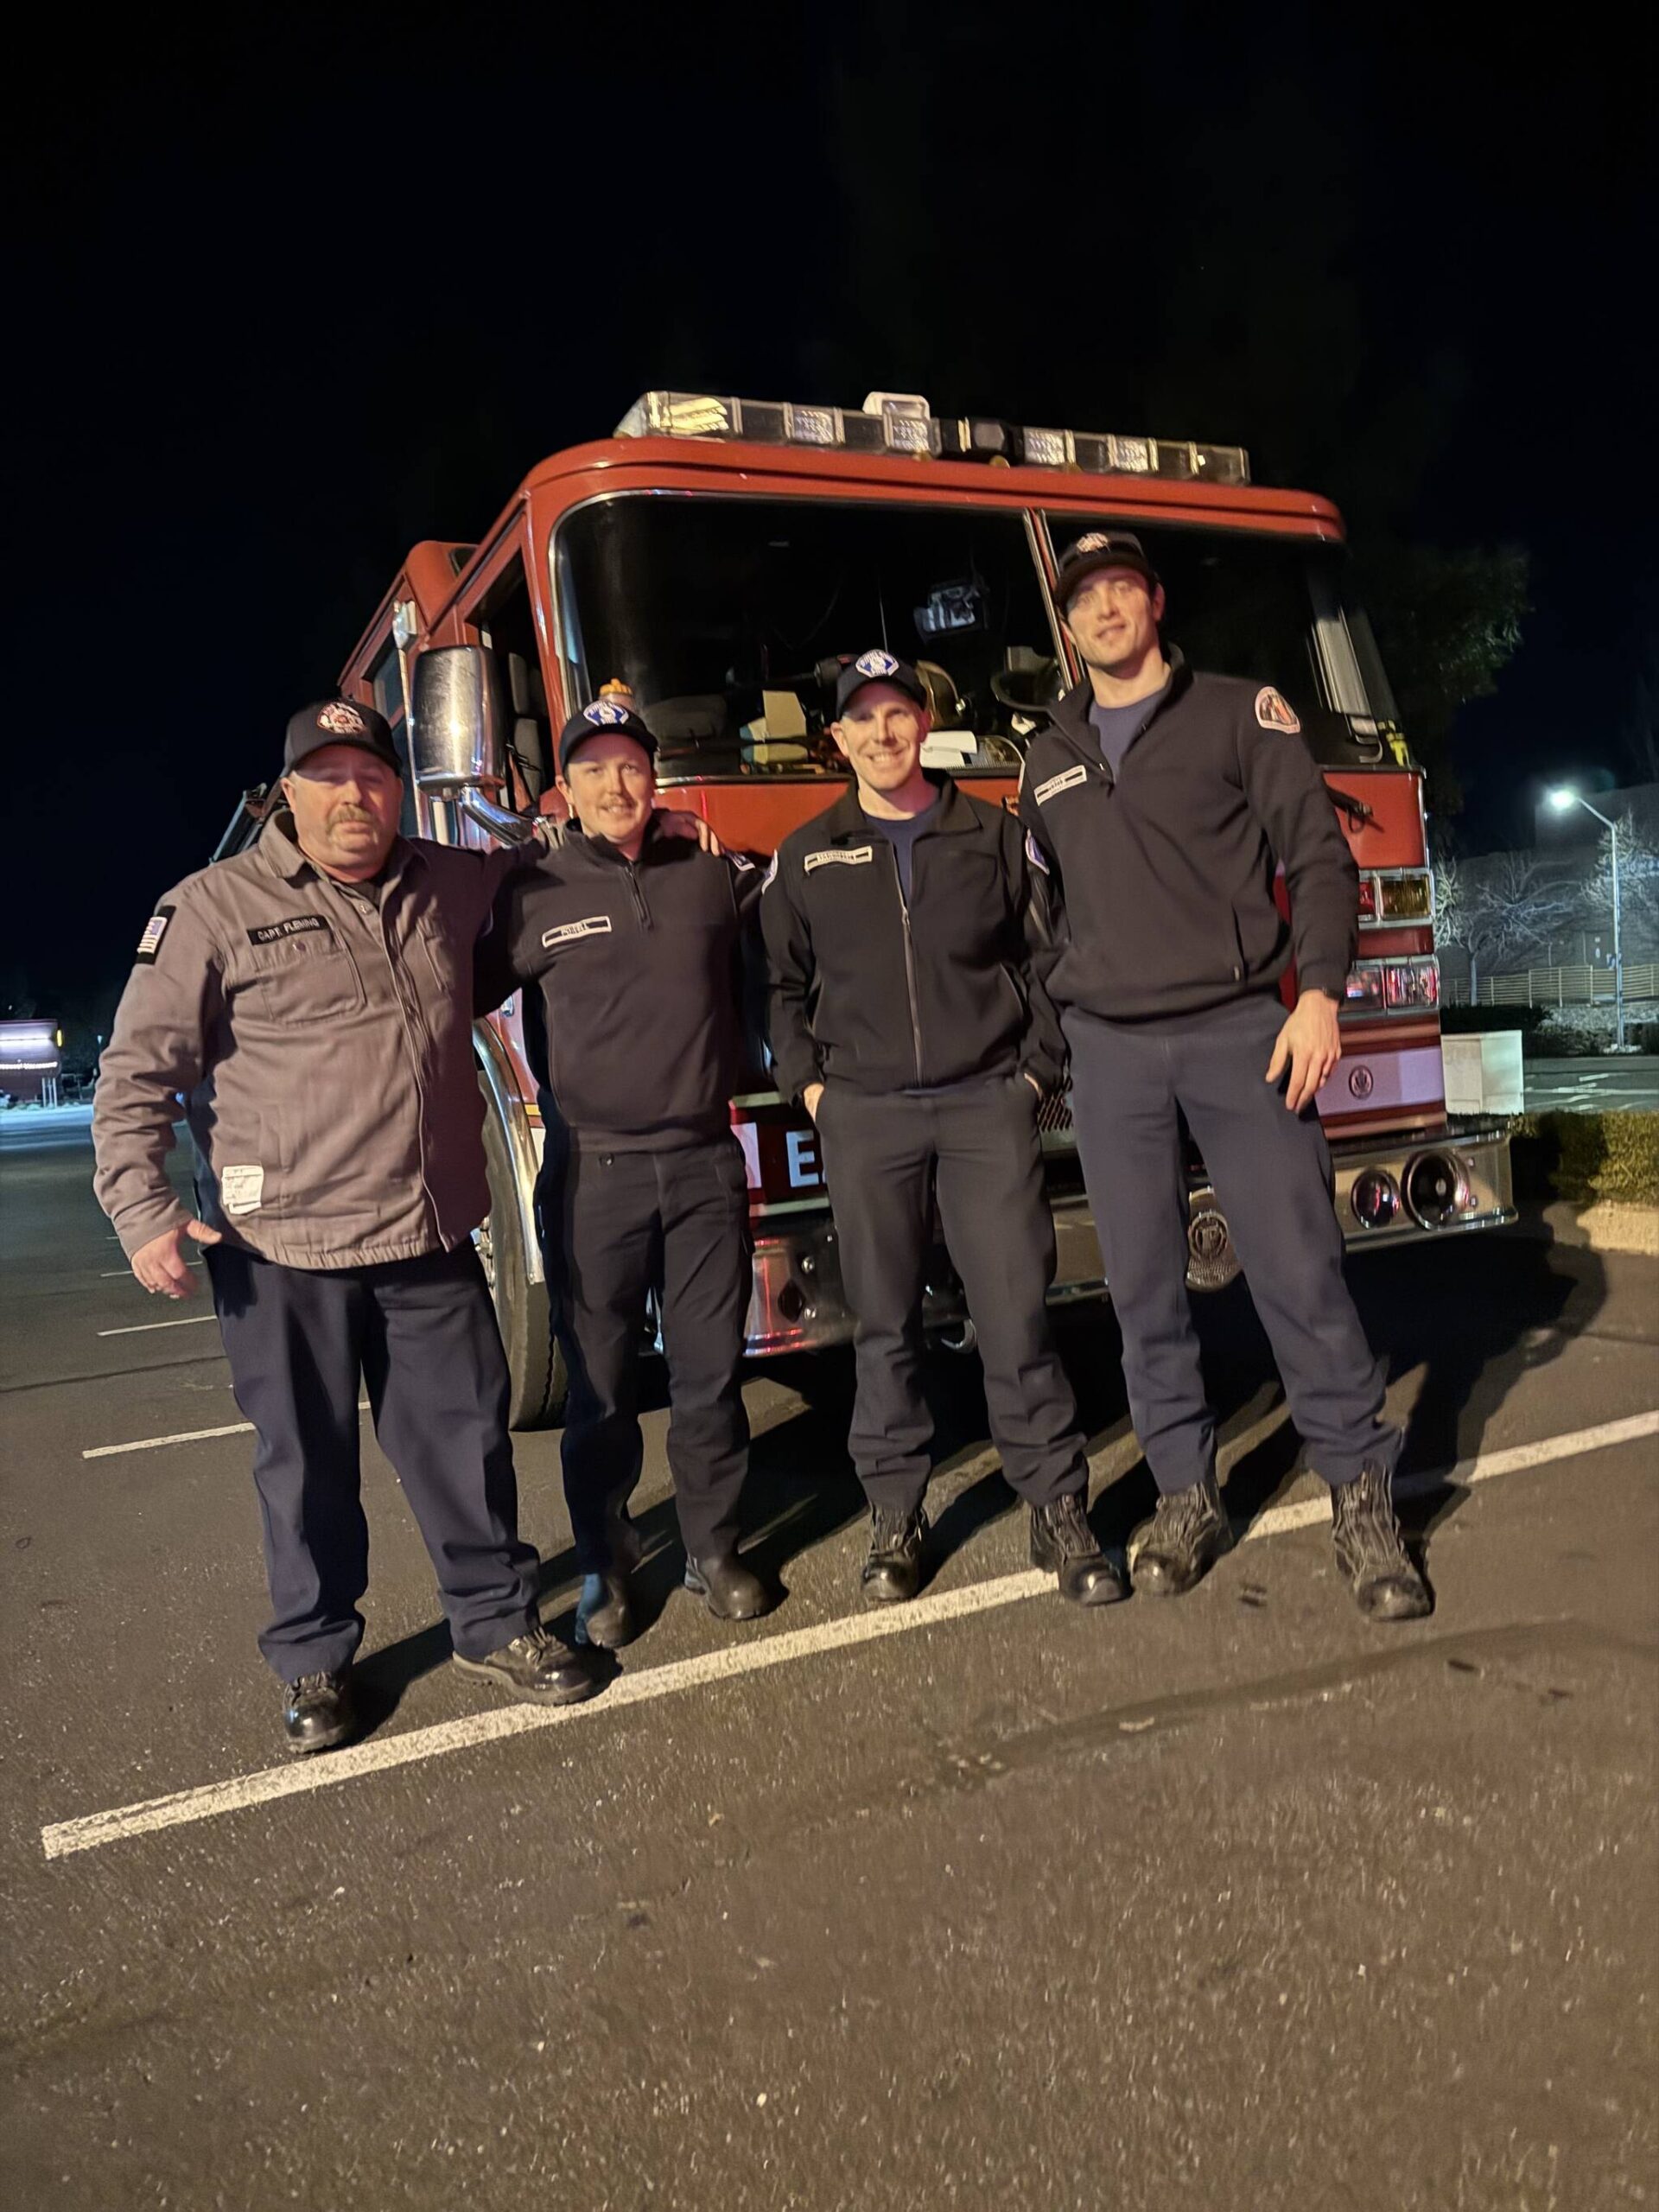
(867, 991)
(323, 1049)
(1164, 874)
(640, 967)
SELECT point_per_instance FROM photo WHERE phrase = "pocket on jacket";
(307, 979)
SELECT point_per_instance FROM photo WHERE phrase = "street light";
(1561, 799)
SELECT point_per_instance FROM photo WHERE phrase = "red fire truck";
(713, 557)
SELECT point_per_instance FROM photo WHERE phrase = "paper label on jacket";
(1052, 787)
(844, 855)
(241, 1190)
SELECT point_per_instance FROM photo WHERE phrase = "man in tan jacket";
(310, 1000)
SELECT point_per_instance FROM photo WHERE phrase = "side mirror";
(455, 742)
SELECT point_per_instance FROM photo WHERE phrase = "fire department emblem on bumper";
(1361, 1080)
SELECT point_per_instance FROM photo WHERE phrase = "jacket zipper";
(910, 961)
(640, 905)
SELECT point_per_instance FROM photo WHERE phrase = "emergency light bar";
(899, 423)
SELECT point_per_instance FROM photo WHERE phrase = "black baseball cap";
(605, 717)
(1100, 549)
(338, 721)
(877, 667)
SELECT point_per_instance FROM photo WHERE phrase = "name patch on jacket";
(1052, 787)
(291, 925)
(155, 929)
(568, 932)
(1275, 711)
(843, 855)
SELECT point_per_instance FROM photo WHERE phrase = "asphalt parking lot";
(1232, 1900)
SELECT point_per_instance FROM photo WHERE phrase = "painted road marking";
(110, 1274)
(732, 1662)
(141, 1328)
(184, 1436)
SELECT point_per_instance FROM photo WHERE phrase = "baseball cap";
(1100, 549)
(605, 717)
(877, 667)
(338, 721)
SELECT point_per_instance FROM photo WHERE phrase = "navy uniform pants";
(1271, 1170)
(419, 1337)
(974, 1150)
(632, 1223)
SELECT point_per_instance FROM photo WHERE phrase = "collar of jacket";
(846, 821)
(1071, 716)
(599, 852)
(280, 853)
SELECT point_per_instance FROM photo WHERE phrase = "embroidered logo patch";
(876, 664)
(605, 714)
(1035, 854)
(340, 716)
(569, 932)
(1275, 711)
(841, 855)
(290, 925)
(155, 929)
(1093, 542)
(241, 1190)
(1067, 780)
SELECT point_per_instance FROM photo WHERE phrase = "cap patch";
(876, 664)
(1094, 543)
(155, 929)
(605, 714)
(343, 719)
(1035, 854)
(1275, 711)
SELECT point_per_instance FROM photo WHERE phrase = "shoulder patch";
(1052, 787)
(1035, 854)
(841, 855)
(1275, 711)
(155, 929)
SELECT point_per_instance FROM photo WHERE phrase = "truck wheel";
(522, 1309)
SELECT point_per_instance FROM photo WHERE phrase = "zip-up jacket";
(640, 967)
(870, 991)
(1164, 873)
(323, 1047)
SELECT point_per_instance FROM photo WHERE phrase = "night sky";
(287, 296)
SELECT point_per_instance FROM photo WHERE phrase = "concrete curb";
(1607, 1225)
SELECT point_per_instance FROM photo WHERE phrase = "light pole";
(1561, 800)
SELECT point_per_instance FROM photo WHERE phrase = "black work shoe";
(1064, 1543)
(1371, 1552)
(605, 1614)
(892, 1572)
(730, 1590)
(1189, 1533)
(319, 1713)
(538, 1669)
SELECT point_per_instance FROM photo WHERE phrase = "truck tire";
(522, 1309)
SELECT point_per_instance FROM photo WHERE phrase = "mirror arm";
(512, 829)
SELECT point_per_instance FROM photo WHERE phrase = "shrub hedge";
(1583, 1157)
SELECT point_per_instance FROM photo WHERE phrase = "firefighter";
(634, 939)
(907, 1019)
(1159, 799)
(310, 999)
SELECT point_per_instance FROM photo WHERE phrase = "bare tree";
(1638, 885)
(1499, 909)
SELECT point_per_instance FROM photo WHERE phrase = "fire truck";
(713, 558)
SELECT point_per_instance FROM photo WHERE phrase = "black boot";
(1371, 1552)
(731, 1591)
(319, 1713)
(537, 1669)
(605, 1614)
(893, 1572)
(1189, 1531)
(1063, 1542)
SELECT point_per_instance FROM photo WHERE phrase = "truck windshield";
(725, 617)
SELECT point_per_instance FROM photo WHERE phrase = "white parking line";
(183, 1436)
(730, 1663)
(142, 1328)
